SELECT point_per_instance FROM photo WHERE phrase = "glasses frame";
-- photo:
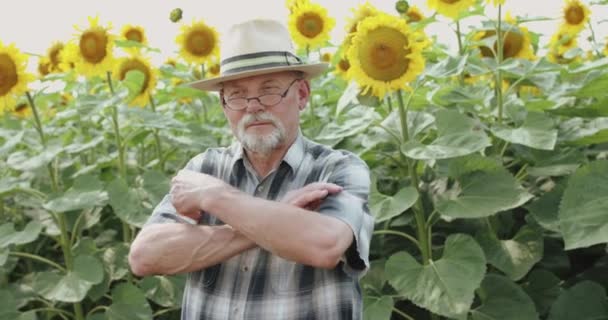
(282, 96)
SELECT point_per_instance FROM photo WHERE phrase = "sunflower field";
(489, 163)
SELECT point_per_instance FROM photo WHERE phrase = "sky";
(33, 25)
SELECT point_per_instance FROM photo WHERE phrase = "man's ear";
(222, 102)
(303, 94)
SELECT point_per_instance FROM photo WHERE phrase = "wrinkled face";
(263, 129)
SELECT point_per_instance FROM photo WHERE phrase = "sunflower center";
(54, 54)
(344, 65)
(383, 55)
(512, 45)
(8, 74)
(93, 46)
(21, 108)
(134, 64)
(413, 16)
(199, 43)
(575, 14)
(450, 1)
(134, 35)
(310, 24)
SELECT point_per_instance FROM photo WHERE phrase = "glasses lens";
(237, 104)
(270, 99)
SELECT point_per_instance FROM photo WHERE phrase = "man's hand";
(310, 196)
(191, 189)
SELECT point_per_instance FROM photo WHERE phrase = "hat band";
(258, 60)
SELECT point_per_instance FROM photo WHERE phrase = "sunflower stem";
(422, 229)
(39, 128)
(37, 258)
(499, 58)
(460, 49)
(593, 40)
(159, 150)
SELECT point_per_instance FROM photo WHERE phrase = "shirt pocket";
(289, 277)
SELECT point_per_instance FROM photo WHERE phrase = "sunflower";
(13, 78)
(213, 68)
(576, 15)
(139, 63)
(198, 42)
(561, 42)
(363, 11)
(342, 69)
(385, 55)
(309, 25)
(326, 57)
(496, 3)
(22, 110)
(134, 33)
(53, 57)
(450, 8)
(44, 66)
(92, 53)
(516, 42)
(413, 14)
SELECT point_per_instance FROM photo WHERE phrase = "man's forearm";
(286, 230)
(172, 248)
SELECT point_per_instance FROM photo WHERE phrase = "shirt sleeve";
(351, 206)
(165, 212)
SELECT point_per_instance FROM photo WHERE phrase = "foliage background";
(479, 216)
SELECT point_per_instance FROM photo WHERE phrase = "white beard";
(258, 143)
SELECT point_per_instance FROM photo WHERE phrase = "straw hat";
(257, 47)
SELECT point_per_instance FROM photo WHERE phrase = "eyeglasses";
(267, 100)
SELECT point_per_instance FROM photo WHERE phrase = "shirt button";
(245, 268)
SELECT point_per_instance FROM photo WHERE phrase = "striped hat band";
(258, 60)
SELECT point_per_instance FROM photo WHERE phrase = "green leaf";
(9, 236)
(115, 261)
(501, 299)
(458, 136)
(87, 192)
(543, 287)
(583, 213)
(482, 194)
(356, 121)
(73, 286)
(23, 161)
(134, 81)
(385, 207)
(3, 255)
(538, 131)
(515, 257)
(348, 99)
(446, 286)
(126, 203)
(80, 147)
(594, 110)
(377, 308)
(545, 209)
(582, 132)
(156, 184)
(458, 167)
(596, 87)
(375, 278)
(448, 67)
(162, 291)
(585, 300)
(128, 303)
(11, 142)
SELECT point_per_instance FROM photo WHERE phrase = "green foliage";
(489, 203)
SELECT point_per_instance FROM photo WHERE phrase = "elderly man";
(274, 226)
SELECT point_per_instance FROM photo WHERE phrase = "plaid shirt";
(257, 284)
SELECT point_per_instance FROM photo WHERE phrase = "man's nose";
(254, 105)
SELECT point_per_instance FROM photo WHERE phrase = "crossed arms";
(290, 228)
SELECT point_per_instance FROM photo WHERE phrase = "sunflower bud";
(176, 15)
(401, 6)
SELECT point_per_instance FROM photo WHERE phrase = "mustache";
(251, 118)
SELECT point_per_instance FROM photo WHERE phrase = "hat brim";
(215, 84)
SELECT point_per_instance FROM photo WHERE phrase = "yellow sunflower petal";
(576, 15)
(363, 11)
(450, 8)
(134, 33)
(385, 55)
(140, 63)
(13, 77)
(198, 42)
(309, 25)
(496, 3)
